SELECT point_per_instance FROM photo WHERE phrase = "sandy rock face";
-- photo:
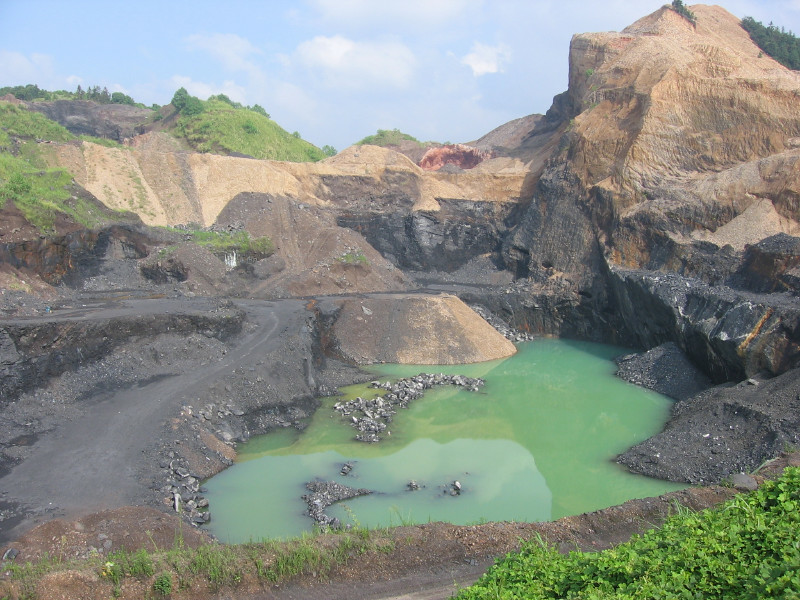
(416, 329)
(677, 130)
(666, 106)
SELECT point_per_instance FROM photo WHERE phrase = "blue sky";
(334, 70)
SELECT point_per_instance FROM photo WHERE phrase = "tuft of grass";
(108, 143)
(353, 257)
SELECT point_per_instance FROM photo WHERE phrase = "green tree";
(257, 108)
(679, 7)
(186, 104)
(179, 98)
(781, 45)
(120, 98)
(329, 150)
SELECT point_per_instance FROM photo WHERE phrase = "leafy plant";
(163, 584)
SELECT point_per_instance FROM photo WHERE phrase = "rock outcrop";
(84, 117)
(679, 154)
(460, 156)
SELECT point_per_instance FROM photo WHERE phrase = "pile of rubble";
(371, 417)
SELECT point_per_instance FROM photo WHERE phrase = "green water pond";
(536, 443)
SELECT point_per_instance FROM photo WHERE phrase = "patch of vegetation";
(211, 565)
(220, 126)
(42, 194)
(679, 7)
(749, 547)
(353, 257)
(386, 137)
(29, 125)
(163, 584)
(39, 192)
(239, 241)
(778, 43)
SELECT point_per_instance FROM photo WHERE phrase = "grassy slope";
(223, 129)
(40, 193)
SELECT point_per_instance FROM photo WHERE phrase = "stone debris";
(184, 493)
(501, 326)
(325, 493)
(371, 417)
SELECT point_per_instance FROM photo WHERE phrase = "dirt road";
(106, 455)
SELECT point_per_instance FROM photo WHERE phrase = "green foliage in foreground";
(781, 45)
(747, 548)
(386, 137)
(223, 128)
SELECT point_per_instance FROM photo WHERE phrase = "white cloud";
(18, 69)
(203, 90)
(486, 59)
(357, 65)
(231, 50)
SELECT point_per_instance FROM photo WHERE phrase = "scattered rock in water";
(371, 417)
(346, 469)
(412, 486)
(325, 493)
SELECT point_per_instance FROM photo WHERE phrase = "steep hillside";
(676, 129)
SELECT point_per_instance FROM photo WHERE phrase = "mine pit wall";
(441, 240)
(70, 257)
(730, 334)
(33, 351)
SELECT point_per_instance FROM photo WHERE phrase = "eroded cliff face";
(679, 156)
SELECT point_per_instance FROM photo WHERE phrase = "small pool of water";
(536, 443)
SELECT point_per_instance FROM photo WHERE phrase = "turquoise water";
(536, 443)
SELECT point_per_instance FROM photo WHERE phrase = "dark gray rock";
(725, 430)
(742, 481)
(84, 117)
(664, 369)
